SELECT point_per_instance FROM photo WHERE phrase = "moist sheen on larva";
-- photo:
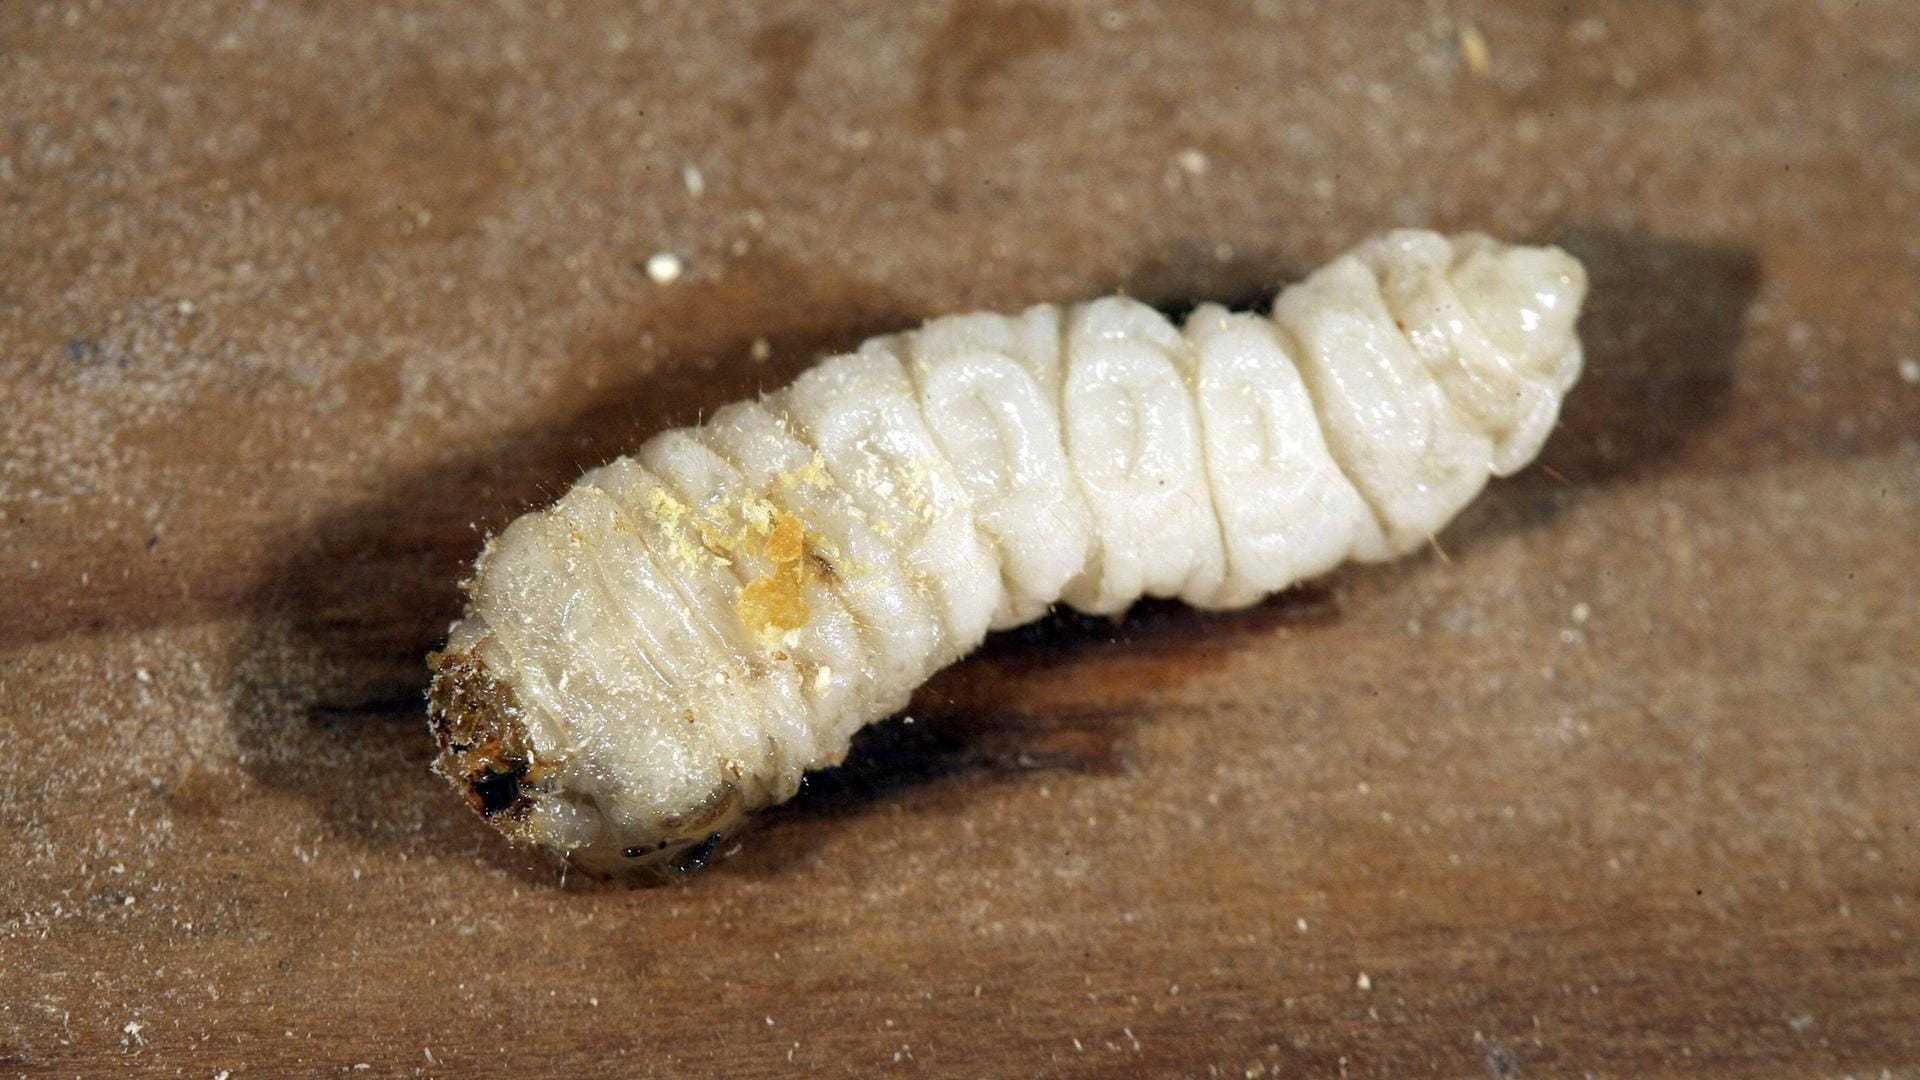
(687, 631)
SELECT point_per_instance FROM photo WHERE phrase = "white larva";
(672, 644)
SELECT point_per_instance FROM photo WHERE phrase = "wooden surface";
(296, 300)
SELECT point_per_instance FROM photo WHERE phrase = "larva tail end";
(484, 748)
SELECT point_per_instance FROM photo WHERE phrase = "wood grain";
(298, 301)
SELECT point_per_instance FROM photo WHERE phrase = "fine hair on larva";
(686, 632)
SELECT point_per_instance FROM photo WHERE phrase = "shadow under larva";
(366, 591)
(1663, 329)
(965, 726)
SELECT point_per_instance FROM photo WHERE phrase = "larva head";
(488, 754)
(484, 748)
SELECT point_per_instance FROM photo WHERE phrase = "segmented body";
(688, 630)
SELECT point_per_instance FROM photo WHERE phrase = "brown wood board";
(297, 301)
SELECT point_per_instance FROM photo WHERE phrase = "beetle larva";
(687, 631)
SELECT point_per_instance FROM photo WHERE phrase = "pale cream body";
(964, 477)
